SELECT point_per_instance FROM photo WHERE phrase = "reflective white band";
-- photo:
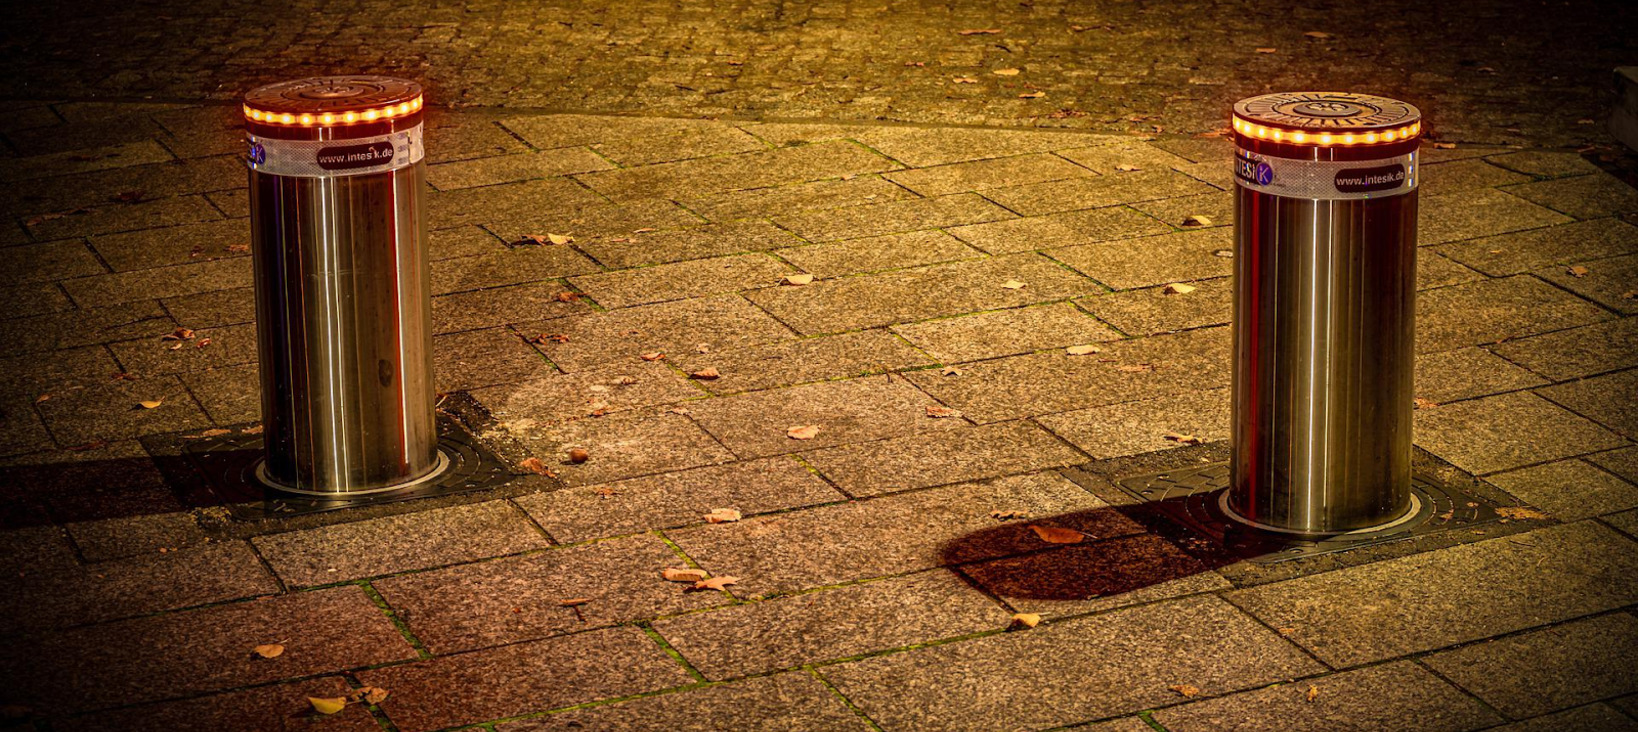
(334, 158)
(1327, 180)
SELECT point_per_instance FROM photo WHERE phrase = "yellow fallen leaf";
(706, 374)
(978, 32)
(535, 465)
(1182, 438)
(1005, 72)
(937, 411)
(1265, 50)
(268, 650)
(683, 574)
(964, 80)
(1082, 350)
(1032, 95)
(573, 602)
(1197, 220)
(1178, 288)
(1322, 35)
(1127, 167)
(722, 516)
(1055, 535)
(652, 356)
(150, 404)
(797, 279)
(716, 583)
(368, 695)
(806, 432)
(559, 238)
(1013, 285)
(1577, 271)
(1444, 146)
(1026, 620)
(1520, 513)
(1424, 403)
(1009, 515)
(1185, 690)
(327, 705)
(1312, 693)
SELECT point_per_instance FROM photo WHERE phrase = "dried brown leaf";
(1520, 513)
(1013, 285)
(1197, 220)
(1422, 403)
(1009, 515)
(964, 80)
(1056, 535)
(1178, 288)
(559, 238)
(151, 403)
(573, 601)
(268, 650)
(578, 455)
(706, 374)
(805, 432)
(1025, 620)
(534, 465)
(936, 411)
(1321, 35)
(1312, 693)
(1266, 50)
(797, 279)
(652, 356)
(1185, 690)
(683, 574)
(1577, 271)
(1032, 95)
(1126, 167)
(979, 32)
(1006, 72)
(1085, 349)
(1181, 438)
(716, 583)
(722, 516)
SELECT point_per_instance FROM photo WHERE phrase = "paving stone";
(124, 588)
(81, 161)
(212, 309)
(508, 202)
(1612, 283)
(786, 134)
(1134, 428)
(1152, 310)
(279, 708)
(1609, 399)
(699, 242)
(1057, 230)
(520, 598)
(37, 298)
(1396, 696)
(919, 461)
(479, 358)
(921, 147)
(894, 534)
(1097, 576)
(1545, 163)
(1005, 332)
(149, 357)
(40, 548)
(694, 178)
(715, 323)
(803, 360)
(114, 411)
(342, 552)
(1523, 251)
(777, 703)
(1584, 197)
(117, 217)
(1464, 175)
(851, 303)
(1099, 666)
(676, 499)
(828, 624)
(83, 483)
(755, 424)
(461, 241)
(21, 430)
(1449, 376)
(892, 217)
(565, 130)
(590, 221)
(513, 168)
(48, 261)
(1508, 431)
(680, 280)
(893, 251)
(1627, 704)
(87, 190)
(1434, 270)
(1053, 381)
(457, 136)
(1601, 717)
(231, 395)
(569, 396)
(1569, 489)
(1476, 213)
(1108, 190)
(677, 143)
(820, 194)
(1550, 669)
(524, 678)
(233, 204)
(1152, 260)
(174, 245)
(1622, 462)
(507, 267)
(1577, 352)
(993, 173)
(200, 651)
(1215, 174)
(1431, 599)
(1217, 206)
(1123, 157)
(1197, 149)
(44, 373)
(503, 306)
(622, 445)
(1490, 311)
(116, 538)
(184, 279)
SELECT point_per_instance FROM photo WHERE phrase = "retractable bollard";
(1324, 312)
(342, 296)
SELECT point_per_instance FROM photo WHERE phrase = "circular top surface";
(335, 94)
(1327, 111)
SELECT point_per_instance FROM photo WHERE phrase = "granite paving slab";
(1477, 213)
(1524, 251)
(620, 445)
(1005, 332)
(1577, 352)
(1434, 601)
(609, 389)
(704, 176)
(479, 358)
(715, 323)
(1584, 197)
(1153, 260)
(1096, 576)
(127, 536)
(1058, 230)
(1612, 282)
(1491, 311)
(680, 280)
(277, 708)
(1109, 190)
(174, 245)
(505, 305)
(1593, 716)
(1464, 373)
(1508, 431)
(785, 363)
(1569, 489)
(1550, 669)
(875, 253)
(938, 458)
(681, 244)
(893, 217)
(1161, 310)
(819, 194)
(776, 703)
(182, 279)
(757, 424)
(513, 168)
(992, 173)
(1133, 428)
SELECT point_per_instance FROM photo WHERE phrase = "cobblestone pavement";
(880, 563)
(1499, 71)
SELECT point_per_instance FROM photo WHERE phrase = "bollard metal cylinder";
(343, 307)
(1324, 312)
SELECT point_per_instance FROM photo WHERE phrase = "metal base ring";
(429, 477)
(1411, 513)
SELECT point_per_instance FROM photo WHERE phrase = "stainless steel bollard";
(1324, 311)
(342, 297)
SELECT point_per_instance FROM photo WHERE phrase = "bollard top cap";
(1328, 119)
(333, 101)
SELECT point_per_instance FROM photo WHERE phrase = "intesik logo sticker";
(1366, 180)
(1253, 169)
(346, 157)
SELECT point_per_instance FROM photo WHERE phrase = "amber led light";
(1326, 139)
(329, 119)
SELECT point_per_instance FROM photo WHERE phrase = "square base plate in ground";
(1190, 498)
(220, 470)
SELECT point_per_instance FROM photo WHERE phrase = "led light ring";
(330, 119)
(1326, 139)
